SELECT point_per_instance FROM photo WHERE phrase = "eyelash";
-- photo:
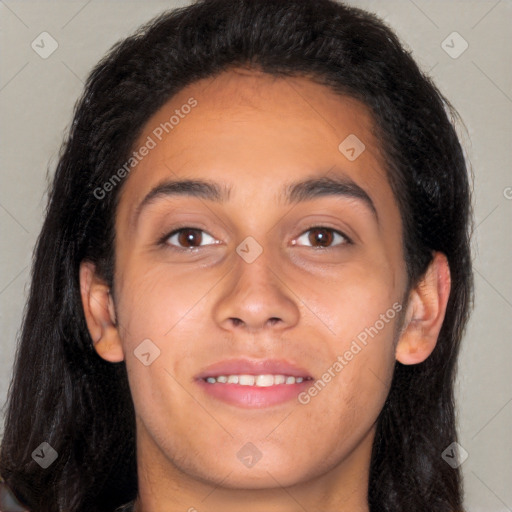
(164, 240)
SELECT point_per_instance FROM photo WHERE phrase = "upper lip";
(253, 367)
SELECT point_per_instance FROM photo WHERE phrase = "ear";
(425, 313)
(100, 314)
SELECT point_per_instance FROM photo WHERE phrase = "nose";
(256, 296)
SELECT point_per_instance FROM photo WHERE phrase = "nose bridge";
(255, 295)
(258, 275)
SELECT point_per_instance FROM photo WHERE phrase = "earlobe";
(425, 313)
(100, 316)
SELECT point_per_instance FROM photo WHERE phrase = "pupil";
(187, 236)
(323, 237)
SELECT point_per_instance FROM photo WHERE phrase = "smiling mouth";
(253, 383)
(262, 381)
(261, 391)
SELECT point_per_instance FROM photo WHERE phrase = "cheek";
(343, 404)
(156, 301)
(362, 310)
(353, 299)
(161, 311)
(366, 328)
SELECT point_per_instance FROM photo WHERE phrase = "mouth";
(262, 381)
(253, 384)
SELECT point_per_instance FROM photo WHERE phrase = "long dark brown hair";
(58, 392)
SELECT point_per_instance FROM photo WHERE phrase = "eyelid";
(347, 239)
(163, 240)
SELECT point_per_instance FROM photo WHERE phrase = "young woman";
(253, 276)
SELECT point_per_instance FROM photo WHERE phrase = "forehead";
(255, 132)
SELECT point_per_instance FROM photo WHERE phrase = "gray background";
(36, 101)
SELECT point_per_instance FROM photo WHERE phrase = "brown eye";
(319, 236)
(322, 236)
(188, 238)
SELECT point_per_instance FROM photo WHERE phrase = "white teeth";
(262, 381)
(246, 380)
(279, 379)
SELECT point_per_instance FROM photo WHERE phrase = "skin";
(255, 133)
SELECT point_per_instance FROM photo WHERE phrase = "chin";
(261, 478)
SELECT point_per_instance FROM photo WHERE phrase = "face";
(257, 274)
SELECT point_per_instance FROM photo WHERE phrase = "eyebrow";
(292, 193)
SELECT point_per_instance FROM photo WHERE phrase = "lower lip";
(254, 397)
